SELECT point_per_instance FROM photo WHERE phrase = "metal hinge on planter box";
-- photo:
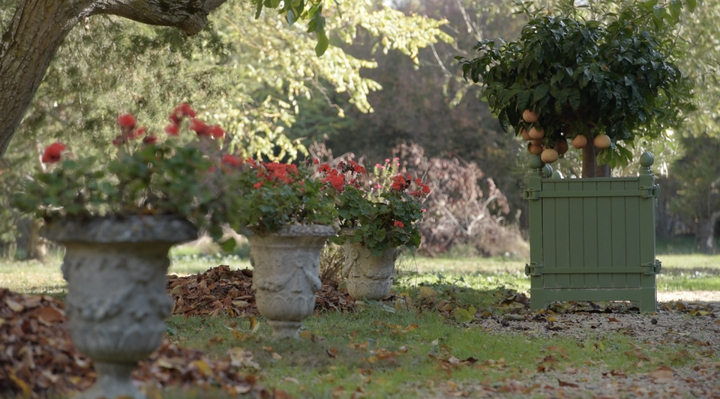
(531, 194)
(533, 269)
(650, 192)
(653, 267)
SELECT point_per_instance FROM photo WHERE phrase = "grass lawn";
(410, 349)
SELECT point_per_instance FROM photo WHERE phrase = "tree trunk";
(36, 244)
(602, 170)
(705, 233)
(39, 27)
(589, 166)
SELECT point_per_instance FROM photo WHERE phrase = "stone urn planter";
(116, 302)
(366, 275)
(285, 275)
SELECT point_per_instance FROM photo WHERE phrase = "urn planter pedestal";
(116, 302)
(366, 275)
(286, 275)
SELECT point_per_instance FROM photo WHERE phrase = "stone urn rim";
(121, 229)
(299, 230)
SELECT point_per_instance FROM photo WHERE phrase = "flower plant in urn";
(378, 215)
(117, 218)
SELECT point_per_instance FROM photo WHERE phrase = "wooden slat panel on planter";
(618, 235)
(604, 233)
(577, 226)
(562, 235)
(632, 227)
(590, 233)
(596, 239)
(549, 242)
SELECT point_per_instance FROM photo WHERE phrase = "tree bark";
(39, 27)
(589, 166)
(705, 233)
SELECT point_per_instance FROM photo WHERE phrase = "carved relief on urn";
(285, 275)
(368, 276)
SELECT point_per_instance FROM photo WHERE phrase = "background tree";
(697, 197)
(248, 74)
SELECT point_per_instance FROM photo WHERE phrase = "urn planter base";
(113, 381)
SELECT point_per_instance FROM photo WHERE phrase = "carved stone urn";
(286, 275)
(366, 275)
(116, 302)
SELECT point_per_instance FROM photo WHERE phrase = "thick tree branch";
(39, 27)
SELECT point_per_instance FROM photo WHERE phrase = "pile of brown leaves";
(37, 358)
(36, 355)
(221, 291)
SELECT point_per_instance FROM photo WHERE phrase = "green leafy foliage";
(155, 179)
(614, 75)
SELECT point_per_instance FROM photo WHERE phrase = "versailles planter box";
(592, 239)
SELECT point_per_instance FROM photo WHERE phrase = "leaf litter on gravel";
(38, 359)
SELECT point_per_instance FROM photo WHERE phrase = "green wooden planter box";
(592, 239)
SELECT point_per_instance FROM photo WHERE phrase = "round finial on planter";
(647, 159)
(535, 161)
(557, 175)
(547, 171)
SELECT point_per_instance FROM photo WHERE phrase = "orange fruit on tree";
(530, 116)
(549, 155)
(535, 149)
(579, 141)
(561, 146)
(524, 133)
(602, 141)
(536, 133)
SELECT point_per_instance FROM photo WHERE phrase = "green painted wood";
(593, 194)
(643, 297)
(562, 234)
(590, 233)
(595, 270)
(632, 247)
(596, 237)
(535, 219)
(604, 233)
(618, 236)
(549, 235)
(577, 239)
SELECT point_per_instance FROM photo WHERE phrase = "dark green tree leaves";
(616, 75)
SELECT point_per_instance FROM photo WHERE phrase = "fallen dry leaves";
(37, 357)
(222, 291)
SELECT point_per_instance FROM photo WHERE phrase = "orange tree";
(602, 83)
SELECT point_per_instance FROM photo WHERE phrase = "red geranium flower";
(172, 129)
(53, 152)
(216, 131)
(258, 184)
(126, 121)
(398, 224)
(150, 140)
(199, 127)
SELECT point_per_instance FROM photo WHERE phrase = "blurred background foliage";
(388, 79)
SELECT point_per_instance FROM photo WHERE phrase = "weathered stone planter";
(368, 276)
(285, 275)
(592, 239)
(116, 303)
